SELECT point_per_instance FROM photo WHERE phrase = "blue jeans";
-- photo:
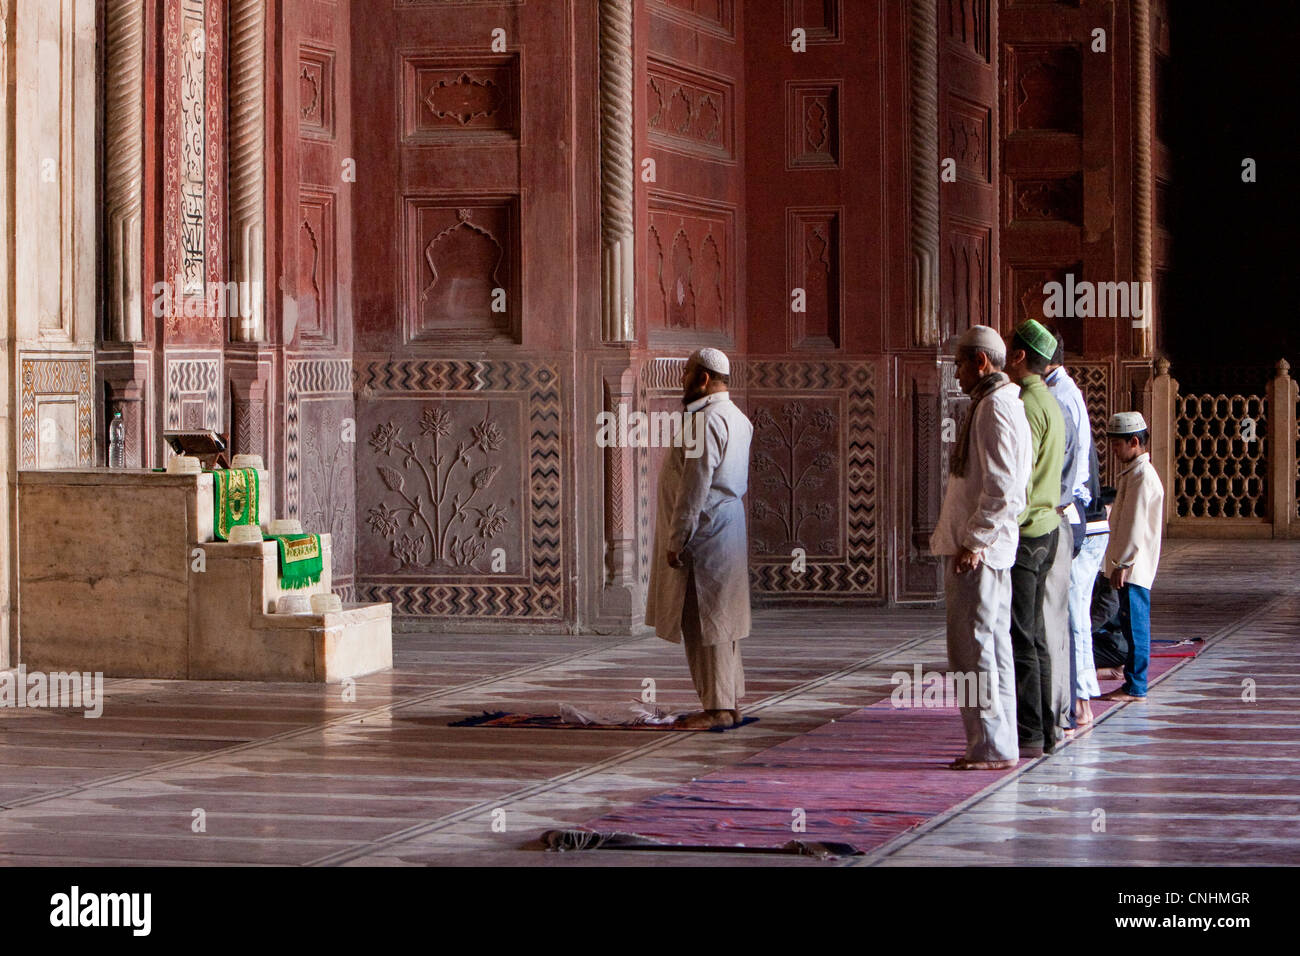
(1135, 619)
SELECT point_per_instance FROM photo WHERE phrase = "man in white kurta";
(699, 572)
(978, 533)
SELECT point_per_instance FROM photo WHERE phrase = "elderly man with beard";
(699, 575)
(978, 532)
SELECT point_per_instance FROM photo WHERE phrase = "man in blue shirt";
(1077, 483)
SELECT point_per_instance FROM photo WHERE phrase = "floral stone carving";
(434, 523)
(790, 474)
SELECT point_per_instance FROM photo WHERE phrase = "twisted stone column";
(1143, 207)
(616, 172)
(8, 527)
(124, 142)
(248, 165)
(924, 79)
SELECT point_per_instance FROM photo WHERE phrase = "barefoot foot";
(1082, 713)
(961, 763)
(705, 720)
(1120, 695)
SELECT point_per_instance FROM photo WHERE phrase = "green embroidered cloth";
(236, 499)
(300, 560)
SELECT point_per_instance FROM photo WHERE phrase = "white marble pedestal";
(119, 573)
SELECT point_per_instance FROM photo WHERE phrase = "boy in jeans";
(1136, 522)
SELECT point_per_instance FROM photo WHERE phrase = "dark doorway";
(1229, 93)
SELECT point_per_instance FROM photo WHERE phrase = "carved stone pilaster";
(616, 172)
(8, 526)
(620, 516)
(250, 390)
(248, 165)
(124, 372)
(1143, 207)
(124, 183)
(922, 423)
(622, 598)
(924, 78)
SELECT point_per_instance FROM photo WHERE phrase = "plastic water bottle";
(117, 442)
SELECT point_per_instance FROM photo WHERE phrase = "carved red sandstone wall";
(825, 278)
(692, 80)
(1068, 199)
(433, 223)
(193, 165)
(465, 308)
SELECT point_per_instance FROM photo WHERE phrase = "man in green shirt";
(1029, 349)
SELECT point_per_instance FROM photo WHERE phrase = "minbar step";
(322, 648)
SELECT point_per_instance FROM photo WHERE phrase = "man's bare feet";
(1082, 713)
(735, 717)
(1119, 694)
(961, 763)
(705, 720)
(1110, 673)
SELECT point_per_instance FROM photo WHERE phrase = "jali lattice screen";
(1221, 456)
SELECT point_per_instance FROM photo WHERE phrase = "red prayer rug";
(501, 718)
(846, 787)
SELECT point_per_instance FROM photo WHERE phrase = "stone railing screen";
(1221, 458)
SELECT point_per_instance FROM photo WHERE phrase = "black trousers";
(1034, 719)
(1109, 647)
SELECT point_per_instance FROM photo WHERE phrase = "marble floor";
(216, 773)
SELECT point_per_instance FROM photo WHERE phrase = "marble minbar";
(119, 572)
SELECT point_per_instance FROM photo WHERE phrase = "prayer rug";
(235, 499)
(554, 722)
(847, 787)
(1188, 647)
(300, 563)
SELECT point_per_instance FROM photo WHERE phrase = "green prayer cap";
(1035, 335)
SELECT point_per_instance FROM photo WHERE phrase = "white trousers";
(979, 642)
(716, 669)
(1083, 574)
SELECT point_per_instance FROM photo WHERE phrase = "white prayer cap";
(711, 359)
(982, 337)
(1126, 423)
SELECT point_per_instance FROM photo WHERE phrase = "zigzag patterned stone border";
(189, 376)
(62, 377)
(1094, 381)
(542, 598)
(316, 376)
(857, 575)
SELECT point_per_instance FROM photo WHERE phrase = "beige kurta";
(701, 515)
(1136, 521)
